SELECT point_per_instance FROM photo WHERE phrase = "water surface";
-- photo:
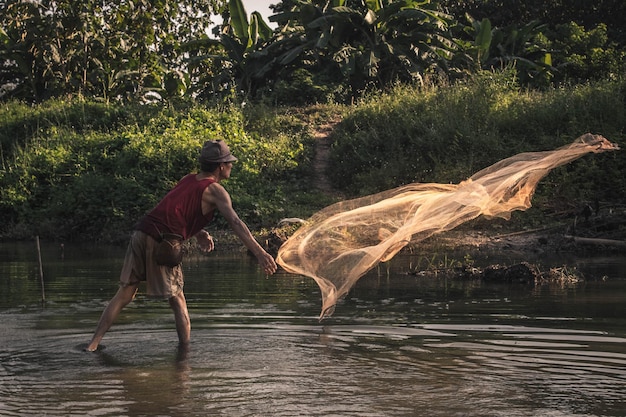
(398, 345)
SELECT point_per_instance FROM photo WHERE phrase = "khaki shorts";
(140, 265)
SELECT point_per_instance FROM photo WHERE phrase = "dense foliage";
(118, 49)
(104, 106)
(327, 50)
(80, 170)
(588, 14)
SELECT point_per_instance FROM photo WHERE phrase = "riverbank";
(602, 234)
(89, 170)
(469, 251)
(596, 235)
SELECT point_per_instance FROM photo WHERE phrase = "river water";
(400, 344)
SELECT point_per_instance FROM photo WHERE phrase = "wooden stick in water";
(43, 291)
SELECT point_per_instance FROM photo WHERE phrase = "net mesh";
(340, 243)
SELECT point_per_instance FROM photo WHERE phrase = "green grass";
(74, 170)
(445, 134)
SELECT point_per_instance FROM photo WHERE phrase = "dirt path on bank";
(321, 161)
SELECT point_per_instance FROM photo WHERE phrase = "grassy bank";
(78, 170)
(437, 134)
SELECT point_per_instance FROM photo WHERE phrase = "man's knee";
(126, 293)
(175, 300)
(178, 302)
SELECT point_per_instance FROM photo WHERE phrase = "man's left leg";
(181, 316)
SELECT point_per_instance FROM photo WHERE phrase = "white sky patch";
(261, 6)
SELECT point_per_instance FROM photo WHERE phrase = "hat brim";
(227, 158)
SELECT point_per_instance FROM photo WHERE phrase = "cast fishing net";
(340, 243)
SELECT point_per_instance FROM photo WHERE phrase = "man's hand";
(267, 263)
(205, 241)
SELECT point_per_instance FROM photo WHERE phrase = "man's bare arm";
(218, 197)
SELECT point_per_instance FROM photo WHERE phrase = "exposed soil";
(321, 161)
(602, 235)
(549, 240)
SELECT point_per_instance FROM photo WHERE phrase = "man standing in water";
(184, 211)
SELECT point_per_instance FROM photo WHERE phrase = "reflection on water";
(398, 345)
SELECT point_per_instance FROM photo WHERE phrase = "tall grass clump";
(444, 134)
(423, 134)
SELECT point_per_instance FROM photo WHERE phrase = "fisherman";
(154, 251)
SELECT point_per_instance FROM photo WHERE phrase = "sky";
(261, 6)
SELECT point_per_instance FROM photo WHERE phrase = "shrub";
(96, 180)
(445, 134)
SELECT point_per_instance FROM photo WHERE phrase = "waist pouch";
(169, 251)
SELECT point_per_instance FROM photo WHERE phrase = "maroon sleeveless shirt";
(180, 211)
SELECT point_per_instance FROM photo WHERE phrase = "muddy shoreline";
(599, 235)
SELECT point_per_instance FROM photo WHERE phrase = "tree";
(588, 14)
(117, 49)
(541, 53)
(586, 54)
(480, 46)
(371, 44)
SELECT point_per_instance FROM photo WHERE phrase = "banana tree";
(234, 63)
(367, 42)
(480, 46)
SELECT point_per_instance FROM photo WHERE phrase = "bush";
(446, 134)
(94, 181)
(415, 134)
(78, 171)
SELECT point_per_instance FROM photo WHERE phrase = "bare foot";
(90, 348)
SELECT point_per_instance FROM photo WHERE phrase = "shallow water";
(398, 345)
